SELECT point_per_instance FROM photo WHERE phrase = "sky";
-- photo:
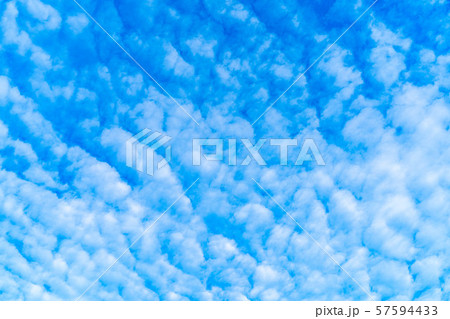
(372, 223)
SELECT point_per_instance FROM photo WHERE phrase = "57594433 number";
(403, 310)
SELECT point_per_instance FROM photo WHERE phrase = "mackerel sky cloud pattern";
(376, 105)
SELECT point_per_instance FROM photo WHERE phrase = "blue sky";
(376, 104)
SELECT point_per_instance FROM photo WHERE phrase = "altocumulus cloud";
(376, 104)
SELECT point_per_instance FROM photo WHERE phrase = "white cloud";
(44, 13)
(78, 22)
(200, 46)
(174, 62)
(387, 61)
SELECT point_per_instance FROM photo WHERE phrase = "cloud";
(174, 62)
(387, 61)
(78, 22)
(375, 105)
